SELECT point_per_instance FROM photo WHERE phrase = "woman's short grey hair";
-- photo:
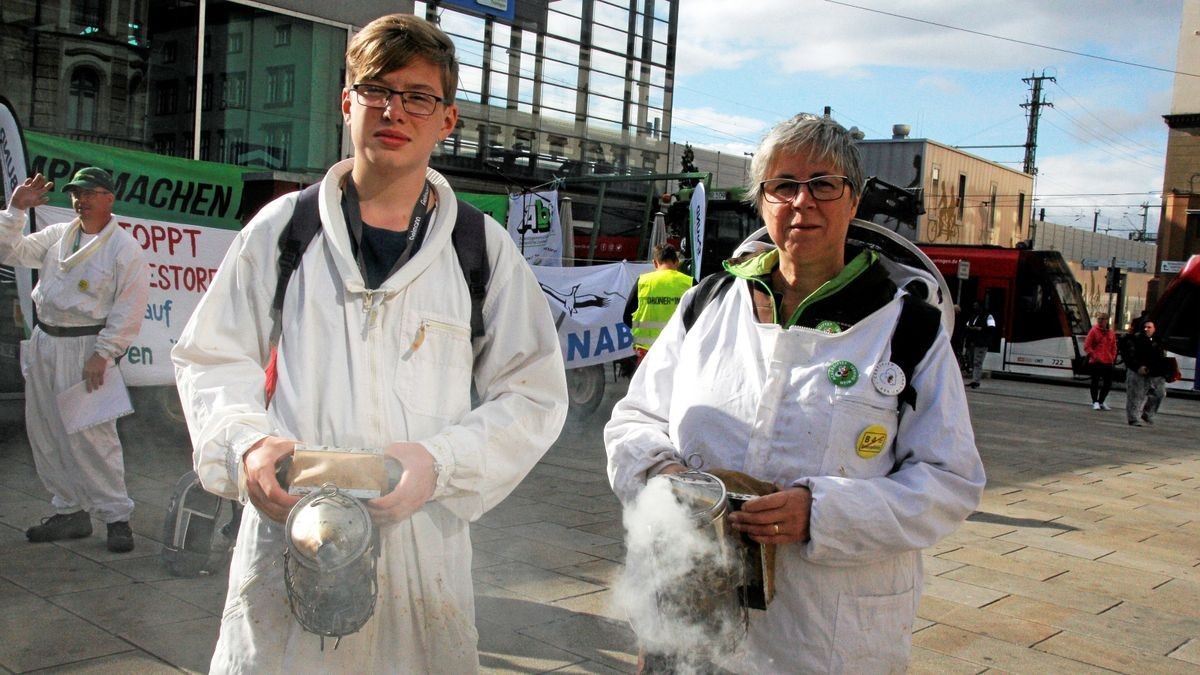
(805, 133)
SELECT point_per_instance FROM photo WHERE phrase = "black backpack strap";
(468, 238)
(300, 230)
(710, 288)
(470, 243)
(916, 329)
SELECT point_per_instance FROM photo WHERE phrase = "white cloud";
(1073, 186)
(717, 130)
(942, 84)
(811, 35)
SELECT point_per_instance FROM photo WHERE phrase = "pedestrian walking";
(1100, 345)
(1145, 376)
(979, 329)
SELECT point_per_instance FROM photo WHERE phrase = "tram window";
(1177, 316)
(1038, 315)
(995, 302)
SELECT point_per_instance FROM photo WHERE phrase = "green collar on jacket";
(759, 267)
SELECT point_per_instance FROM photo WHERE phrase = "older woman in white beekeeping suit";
(793, 376)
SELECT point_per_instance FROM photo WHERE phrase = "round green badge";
(843, 373)
(829, 327)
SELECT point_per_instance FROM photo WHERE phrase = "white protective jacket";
(361, 368)
(103, 283)
(756, 398)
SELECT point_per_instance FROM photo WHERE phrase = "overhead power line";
(1008, 39)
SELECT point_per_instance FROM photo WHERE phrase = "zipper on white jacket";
(370, 312)
(433, 324)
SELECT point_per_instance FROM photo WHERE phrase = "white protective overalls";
(105, 283)
(756, 398)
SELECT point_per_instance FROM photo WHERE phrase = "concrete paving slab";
(186, 644)
(935, 565)
(49, 569)
(1155, 619)
(1175, 596)
(206, 592)
(989, 652)
(591, 637)
(1007, 628)
(38, 634)
(514, 610)
(534, 582)
(547, 556)
(971, 595)
(1156, 560)
(1010, 564)
(128, 608)
(1001, 582)
(1188, 651)
(928, 662)
(502, 650)
(601, 603)
(133, 661)
(1119, 658)
(1039, 540)
(588, 667)
(1105, 627)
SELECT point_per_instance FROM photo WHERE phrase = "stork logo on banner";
(572, 300)
(587, 304)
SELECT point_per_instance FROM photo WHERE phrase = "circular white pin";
(888, 378)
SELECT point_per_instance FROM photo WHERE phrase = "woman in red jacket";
(1101, 348)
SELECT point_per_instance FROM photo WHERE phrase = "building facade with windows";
(547, 87)
(967, 199)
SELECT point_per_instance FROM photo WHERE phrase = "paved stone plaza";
(1083, 557)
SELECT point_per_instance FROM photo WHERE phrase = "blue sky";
(742, 66)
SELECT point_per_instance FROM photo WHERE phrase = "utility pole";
(1034, 105)
(1145, 213)
(1095, 219)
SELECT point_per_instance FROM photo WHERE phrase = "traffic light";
(1112, 281)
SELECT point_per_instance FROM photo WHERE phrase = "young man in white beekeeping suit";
(376, 351)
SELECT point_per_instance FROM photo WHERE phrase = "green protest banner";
(148, 185)
(495, 206)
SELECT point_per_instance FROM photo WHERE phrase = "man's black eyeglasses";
(418, 103)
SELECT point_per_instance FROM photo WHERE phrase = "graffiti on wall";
(942, 222)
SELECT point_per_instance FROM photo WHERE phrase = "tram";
(1176, 318)
(1041, 318)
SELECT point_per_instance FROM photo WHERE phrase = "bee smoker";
(702, 599)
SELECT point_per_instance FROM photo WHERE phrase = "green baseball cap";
(91, 178)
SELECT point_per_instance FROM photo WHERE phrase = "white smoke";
(678, 587)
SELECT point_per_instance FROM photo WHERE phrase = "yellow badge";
(871, 441)
(83, 285)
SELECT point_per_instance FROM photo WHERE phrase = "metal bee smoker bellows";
(332, 548)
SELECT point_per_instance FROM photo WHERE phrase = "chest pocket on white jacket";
(862, 435)
(433, 374)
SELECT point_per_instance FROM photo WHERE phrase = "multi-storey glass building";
(548, 87)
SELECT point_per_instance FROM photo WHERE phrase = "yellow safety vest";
(658, 296)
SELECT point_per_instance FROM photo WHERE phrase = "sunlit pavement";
(1085, 555)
